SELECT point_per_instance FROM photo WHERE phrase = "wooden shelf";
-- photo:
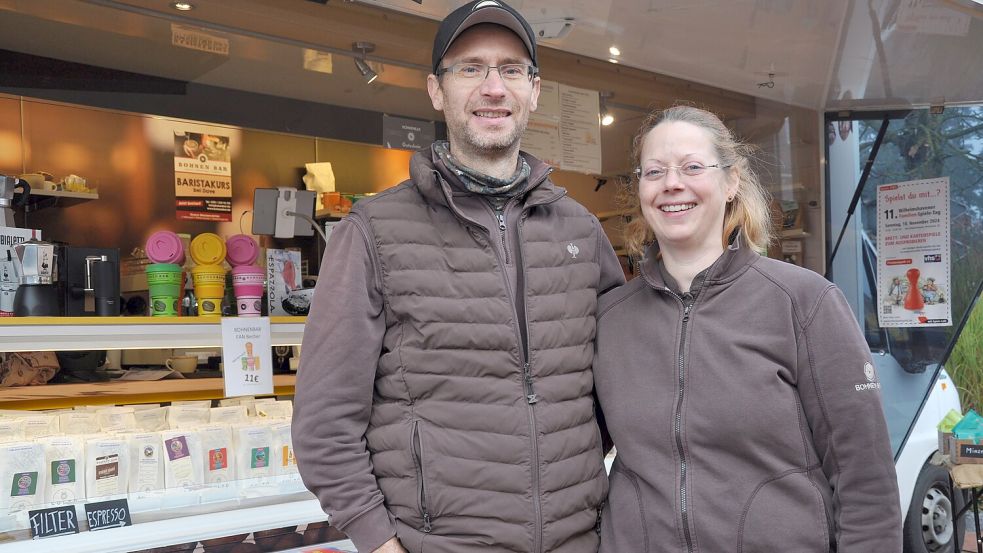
(793, 233)
(57, 396)
(88, 333)
(40, 199)
(327, 214)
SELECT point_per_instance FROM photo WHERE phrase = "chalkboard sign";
(57, 521)
(108, 514)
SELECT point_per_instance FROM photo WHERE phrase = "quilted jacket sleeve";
(333, 398)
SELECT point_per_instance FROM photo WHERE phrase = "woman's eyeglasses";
(690, 169)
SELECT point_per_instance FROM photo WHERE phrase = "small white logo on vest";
(574, 250)
(871, 376)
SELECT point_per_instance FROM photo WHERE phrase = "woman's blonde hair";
(749, 211)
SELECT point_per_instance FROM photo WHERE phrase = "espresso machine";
(35, 264)
(89, 281)
(8, 189)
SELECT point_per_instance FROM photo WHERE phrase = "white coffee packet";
(146, 462)
(150, 420)
(38, 425)
(283, 447)
(233, 414)
(186, 416)
(217, 445)
(64, 459)
(183, 462)
(116, 419)
(106, 467)
(78, 422)
(278, 410)
(11, 430)
(254, 450)
(21, 476)
(251, 406)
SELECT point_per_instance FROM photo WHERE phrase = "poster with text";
(542, 135)
(580, 130)
(246, 358)
(202, 176)
(913, 263)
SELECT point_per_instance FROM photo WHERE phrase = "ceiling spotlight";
(614, 51)
(183, 6)
(363, 67)
(607, 116)
(612, 60)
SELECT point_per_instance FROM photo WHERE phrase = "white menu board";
(565, 129)
(913, 254)
(580, 130)
(542, 136)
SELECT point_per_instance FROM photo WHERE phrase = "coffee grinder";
(36, 266)
(89, 279)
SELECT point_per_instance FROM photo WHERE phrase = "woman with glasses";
(738, 389)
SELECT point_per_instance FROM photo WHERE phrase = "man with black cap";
(444, 400)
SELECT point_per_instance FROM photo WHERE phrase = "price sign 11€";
(248, 365)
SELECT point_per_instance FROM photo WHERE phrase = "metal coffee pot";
(8, 187)
(35, 265)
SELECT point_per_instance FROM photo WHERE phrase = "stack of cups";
(247, 279)
(165, 279)
(208, 275)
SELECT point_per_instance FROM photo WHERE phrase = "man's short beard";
(482, 144)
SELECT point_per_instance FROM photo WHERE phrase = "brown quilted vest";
(466, 457)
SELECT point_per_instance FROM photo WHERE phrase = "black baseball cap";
(482, 11)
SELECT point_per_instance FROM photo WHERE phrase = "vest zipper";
(421, 484)
(678, 419)
(527, 378)
(502, 233)
(531, 397)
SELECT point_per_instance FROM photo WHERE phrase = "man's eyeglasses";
(691, 169)
(512, 72)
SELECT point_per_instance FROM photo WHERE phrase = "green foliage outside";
(966, 363)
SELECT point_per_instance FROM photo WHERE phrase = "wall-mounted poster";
(202, 176)
(913, 263)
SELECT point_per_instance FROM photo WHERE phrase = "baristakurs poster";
(202, 176)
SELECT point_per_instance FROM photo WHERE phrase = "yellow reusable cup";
(209, 281)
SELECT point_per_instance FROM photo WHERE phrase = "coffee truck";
(841, 97)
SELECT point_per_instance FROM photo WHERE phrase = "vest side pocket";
(421, 478)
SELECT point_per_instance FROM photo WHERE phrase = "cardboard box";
(8, 237)
(944, 442)
(283, 278)
(965, 452)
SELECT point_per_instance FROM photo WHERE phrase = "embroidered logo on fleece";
(573, 249)
(872, 383)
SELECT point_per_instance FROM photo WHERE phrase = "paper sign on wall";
(913, 262)
(248, 365)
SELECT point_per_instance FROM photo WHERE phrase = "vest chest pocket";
(416, 443)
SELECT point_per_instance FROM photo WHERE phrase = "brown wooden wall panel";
(11, 153)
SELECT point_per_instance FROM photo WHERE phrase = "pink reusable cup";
(164, 246)
(241, 249)
(247, 283)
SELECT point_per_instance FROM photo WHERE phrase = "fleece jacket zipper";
(678, 418)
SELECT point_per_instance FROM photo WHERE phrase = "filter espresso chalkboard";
(108, 514)
(57, 521)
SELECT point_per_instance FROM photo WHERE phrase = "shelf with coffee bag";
(113, 392)
(87, 333)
